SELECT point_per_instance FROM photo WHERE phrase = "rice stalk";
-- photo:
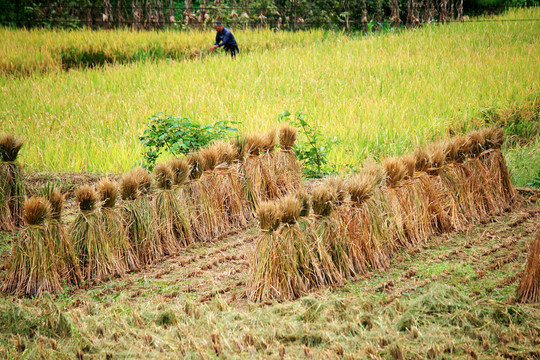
(275, 271)
(180, 169)
(12, 190)
(137, 215)
(66, 259)
(494, 137)
(172, 223)
(32, 266)
(436, 157)
(528, 290)
(287, 137)
(409, 163)
(97, 257)
(114, 225)
(330, 230)
(395, 171)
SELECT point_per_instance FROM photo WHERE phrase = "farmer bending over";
(225, 39)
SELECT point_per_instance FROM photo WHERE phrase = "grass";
(380, 94)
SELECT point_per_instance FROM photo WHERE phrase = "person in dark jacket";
(224, 39)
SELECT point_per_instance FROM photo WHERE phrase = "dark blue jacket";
(225, 38)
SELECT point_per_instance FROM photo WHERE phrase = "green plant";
(536, 181)
(313, 147)
(179, 135)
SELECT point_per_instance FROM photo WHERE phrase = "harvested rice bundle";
(477, 143)
(322, 269)
(114, 226)
(196, 165)
(98, 260)
(528, 290)
(254, 144)
(436, 157)
(455, 179)
(275, 271)
(259, 170)
(137, 214)
(270, 168)
(180, 169)
(12, 191)
(226, 152)
(499, 177)
(226, 202)
(269, 216)
(491, 182)
(67, 262)
(331, 230)
(409, 163)
(172, 223)
(429, 208)
(210, 158)
(287, 137)
(305, 201)
(365, 231)
(287, 170)
(482, 181)
(457, 149)
(268, 141)
(421, 159)
(494, 137)
(32, 266)
(206, 213)
(338, 188)
(240, 146)
(395, 171)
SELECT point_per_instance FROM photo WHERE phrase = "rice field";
(379, 94)
(429, 252)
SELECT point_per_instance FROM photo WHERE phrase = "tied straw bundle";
(12, 191)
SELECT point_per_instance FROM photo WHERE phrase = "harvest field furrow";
(380, 94)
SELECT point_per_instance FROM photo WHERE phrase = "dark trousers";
(232, 49)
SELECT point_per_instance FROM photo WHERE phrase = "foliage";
(536, 181)
(277, 14)
(179, 135)
(313, 147)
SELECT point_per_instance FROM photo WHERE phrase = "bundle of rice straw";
(268, 255)
(67, 261)
(259, 167)
(231, 183)
(12, 191)
(172, 223)
(331, 231)
(365, 228)
(287, 170)
(528, 290)
(97, 257)
(322, 269)
(281, 262)
(205, 214)
(114, 226)
(137, 214)
(32, 267)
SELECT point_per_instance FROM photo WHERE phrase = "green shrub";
(179, 135)
(313, 147)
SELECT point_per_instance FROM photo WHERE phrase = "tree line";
(350, 15)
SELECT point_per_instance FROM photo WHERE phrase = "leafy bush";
(179, 135)
(313, 147)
